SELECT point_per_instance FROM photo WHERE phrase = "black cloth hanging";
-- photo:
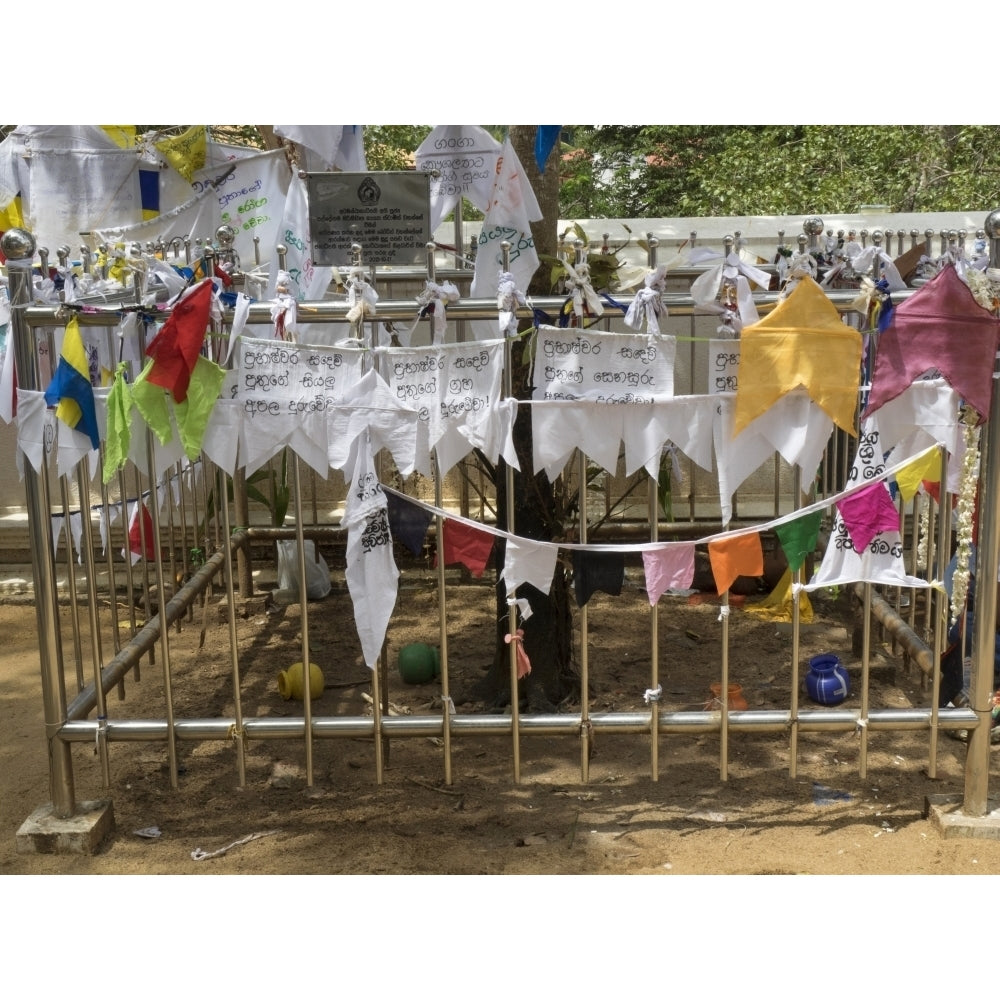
(408, 523)
(593, 571)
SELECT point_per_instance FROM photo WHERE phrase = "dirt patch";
(826, 819)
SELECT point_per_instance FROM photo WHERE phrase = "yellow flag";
(909, 478)
(802, 342)
(186, 152)
(122, 136)
(10, 215)
(777, 606)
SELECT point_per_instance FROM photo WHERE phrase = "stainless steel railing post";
(18, 247)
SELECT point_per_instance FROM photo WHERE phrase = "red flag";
(468, 546)
(135, 534)
(176, 347)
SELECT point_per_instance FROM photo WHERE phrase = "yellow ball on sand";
(290, 682)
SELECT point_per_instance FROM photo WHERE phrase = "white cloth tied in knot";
(361, 296)
(802, 265)
(284, 310)
(862, 263)
(736, 273)
(984, 285)
(647, 306)
(509, 298)
(434, 299)
(581, 290)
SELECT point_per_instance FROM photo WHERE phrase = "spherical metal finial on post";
(992, 229)
(18, 245)
(813, 228)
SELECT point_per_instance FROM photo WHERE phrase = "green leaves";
(656, 171)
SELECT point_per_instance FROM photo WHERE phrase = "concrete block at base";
(83, 833)
(246, 607)
(945, 812)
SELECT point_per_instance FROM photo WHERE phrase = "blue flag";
(70, 391)
(545, 139)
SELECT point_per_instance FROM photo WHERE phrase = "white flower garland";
(965, 514)
(922, 532)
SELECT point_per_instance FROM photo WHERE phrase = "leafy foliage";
(653, 171)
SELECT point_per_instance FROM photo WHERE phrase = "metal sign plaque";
(387, 213)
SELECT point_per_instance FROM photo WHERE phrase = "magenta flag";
(940, 327)
(868, 512)
(671, 567)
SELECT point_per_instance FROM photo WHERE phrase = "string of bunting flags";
(797, 375)
(865, 510)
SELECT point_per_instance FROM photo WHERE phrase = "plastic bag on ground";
(317, 572)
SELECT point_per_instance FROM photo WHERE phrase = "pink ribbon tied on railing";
(523, 663)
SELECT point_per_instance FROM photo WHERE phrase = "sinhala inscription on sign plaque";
(387, 213)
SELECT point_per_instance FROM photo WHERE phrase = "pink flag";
(671, 567)
(941, 327)
(868, 512)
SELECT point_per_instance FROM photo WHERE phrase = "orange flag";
(741, 555)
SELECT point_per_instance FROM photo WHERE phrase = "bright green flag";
(151, 401)
(798, 538)
(119, 437)
(192, 415)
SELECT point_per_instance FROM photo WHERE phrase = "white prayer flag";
(251, 195)
(455, 388)
(511, 210)
(795, 426)
(8, 379)
(882, 559)
(307, 281)
(351, 152)
(288, 392)
(371, 573)
(370, 408)
(198, 217)
(36, 429)
(527, 561)
(322, 140)
(614, 368)
(465, 159)
(102, 187)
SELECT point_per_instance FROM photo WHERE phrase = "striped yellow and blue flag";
(70, 391)
(149, 192)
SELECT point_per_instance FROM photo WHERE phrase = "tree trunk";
(548, 632)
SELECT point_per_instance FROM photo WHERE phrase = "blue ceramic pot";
(827, 682)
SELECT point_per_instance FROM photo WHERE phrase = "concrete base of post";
(945, 812)
(83, 833)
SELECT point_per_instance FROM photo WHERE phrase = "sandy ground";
(826, 819)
